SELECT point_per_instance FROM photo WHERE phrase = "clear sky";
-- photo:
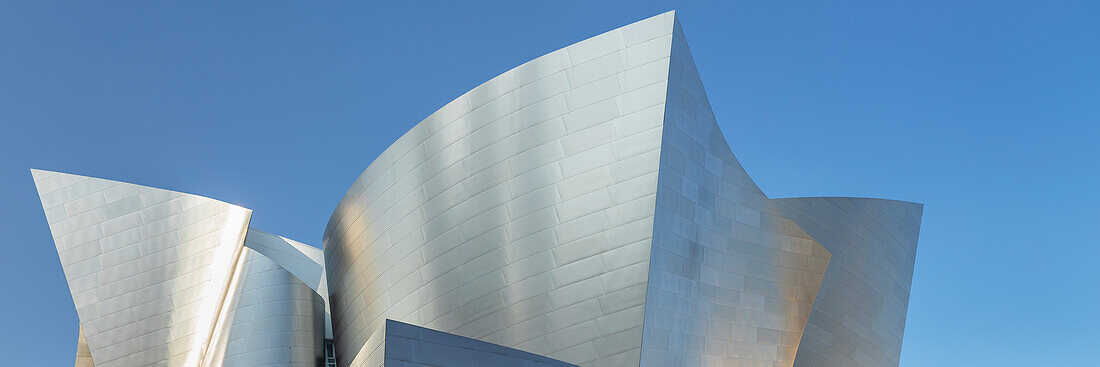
(985, 111)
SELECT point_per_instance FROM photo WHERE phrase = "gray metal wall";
(412, 346)
(731, 280)
(859, 316)
(520, 213)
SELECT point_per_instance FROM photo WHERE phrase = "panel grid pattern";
(518, 214)
(859, 316)
(147, 268)
(731, 281)
(273, 318)
(304, 261)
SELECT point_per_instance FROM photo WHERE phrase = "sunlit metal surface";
(304, 261)
(273, 318)
(583, 207)
(147, 268)
(859, 316)
(158, 278)
(520, 213)
(83, 355)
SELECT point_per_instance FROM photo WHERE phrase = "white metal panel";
(147, 268)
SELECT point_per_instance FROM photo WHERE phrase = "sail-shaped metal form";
(859, 318)
(583, 208)
(158, 277)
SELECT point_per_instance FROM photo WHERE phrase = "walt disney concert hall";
(581, 209)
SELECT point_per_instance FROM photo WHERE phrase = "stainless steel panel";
(272, 318)
(517, 213)
(731, 280)
(147, 268)
(83, 355)
(162, 278)
(306, 262)
(859, 316)
(410, 345)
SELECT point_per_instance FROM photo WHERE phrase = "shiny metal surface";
(272, 318)
(401, 344)
(731, 280)
(83, 355)
(147, 268)
(519, 214)
(304, 261)
(584, 206)
(859, 316)
(162, 278)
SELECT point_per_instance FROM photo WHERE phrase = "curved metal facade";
(584, 206)
(520, 213)
(154, 276)
(859, 316)
(146, 267)
(305, 262)
(731, 280)
(273, 318)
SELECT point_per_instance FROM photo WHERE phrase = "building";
(581, 209)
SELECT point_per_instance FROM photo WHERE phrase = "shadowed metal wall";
(401, 344)
(859, 316)
(731, 280)
(518, 214)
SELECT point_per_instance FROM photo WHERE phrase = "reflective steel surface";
(586, 206)
(731, 280)
(273, 318)
(519, 214)
(402, 344)
(83, 355)
(306, 262)
(859, 316)
(147, 268)
(583, 208)
(163, 278)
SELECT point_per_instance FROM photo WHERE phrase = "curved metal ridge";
(583, 208)
(157, 277)
(859, 317)
(520, 213)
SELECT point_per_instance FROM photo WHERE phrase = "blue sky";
(985, 111)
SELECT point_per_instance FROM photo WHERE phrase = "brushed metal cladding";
(410, 345)
(83, 355)
(147, 268)
(520, 213)
(859, 316)
(273, 318)
(731, 280)
(306, 262)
